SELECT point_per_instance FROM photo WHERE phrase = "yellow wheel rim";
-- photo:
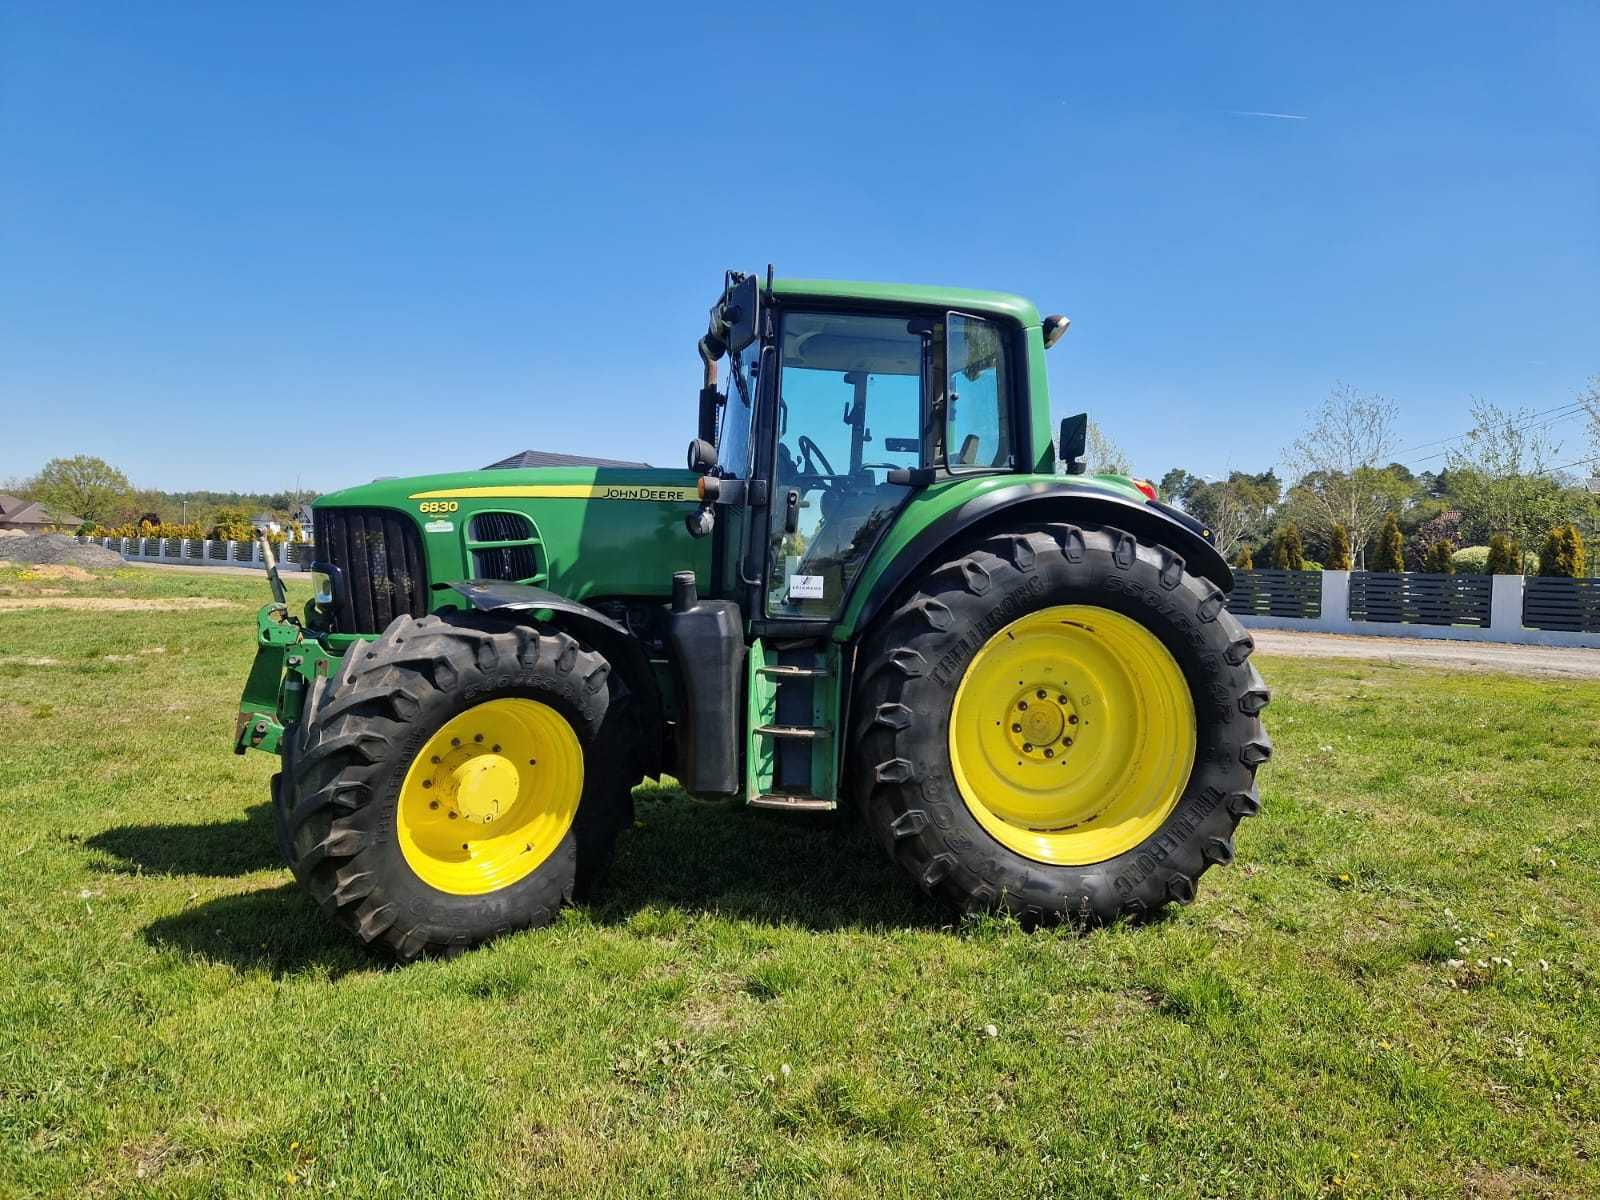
(1072, 735)
(490, 796)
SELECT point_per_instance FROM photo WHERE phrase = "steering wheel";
(810, 455)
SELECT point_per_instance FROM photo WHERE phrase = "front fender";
(522, 602)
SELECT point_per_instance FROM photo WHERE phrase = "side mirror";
(1074, 442)
(741, 308)
(1054, 328)
(702, 457)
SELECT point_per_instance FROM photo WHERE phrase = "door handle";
(791, 511)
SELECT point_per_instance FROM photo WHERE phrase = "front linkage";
(287, 663)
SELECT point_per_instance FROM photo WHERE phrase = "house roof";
(547, 458)
(15, 511)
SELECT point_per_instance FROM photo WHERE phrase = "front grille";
(379, 555)
(506, 562)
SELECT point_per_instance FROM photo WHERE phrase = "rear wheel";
(1061, 723)
(458, 779)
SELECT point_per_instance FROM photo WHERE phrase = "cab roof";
(981, 303)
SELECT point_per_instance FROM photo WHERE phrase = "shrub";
(1288, 552)
(1245, 560)
(1439, 558)
(1339, 549)
(1471, 560)
(1563, 554)
(1391, 552)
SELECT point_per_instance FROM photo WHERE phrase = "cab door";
(851, 408)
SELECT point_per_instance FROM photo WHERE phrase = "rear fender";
(1033, 503)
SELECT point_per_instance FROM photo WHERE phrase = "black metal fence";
(1415, 598)
(1568, 604)
(1276, 594)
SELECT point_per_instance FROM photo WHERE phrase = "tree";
(1236, 509)
(1246, 558)
(1501, 477)
(1391, 551)
(1440, 558)
(1339, 549)
(1337, 464)
(1288, 554)
(82, 486)
(1105, 457)
(1505, 556)
(1563, 553)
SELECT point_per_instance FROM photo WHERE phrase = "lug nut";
(1049, 753)
(1027, 747)
(1040, 693)
(1061, 699)
(434, 760)
(477, 737)
(455, 741)
(1066, 741)
(1023, 705)
(454, 814)
(1016, 728)
(433, 804)
(427, 783)
(1072, 718)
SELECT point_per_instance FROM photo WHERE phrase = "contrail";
(1276, 116)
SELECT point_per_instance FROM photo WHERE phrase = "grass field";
(1393, 992)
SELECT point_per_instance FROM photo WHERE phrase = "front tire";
(1061, 723)
(458, 779)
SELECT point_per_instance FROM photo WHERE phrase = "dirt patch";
(17, 661)
(58, 571)
(114, 603)
(58, 548)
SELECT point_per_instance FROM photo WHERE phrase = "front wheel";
(457, 779)
(1061, 723)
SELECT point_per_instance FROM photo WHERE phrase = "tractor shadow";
(222, 849)
(698, 857)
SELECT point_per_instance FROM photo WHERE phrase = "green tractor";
(879, 584)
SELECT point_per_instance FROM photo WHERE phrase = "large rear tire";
(459, 778)
(1061, 723)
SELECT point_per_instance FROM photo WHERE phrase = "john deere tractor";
(878, 583)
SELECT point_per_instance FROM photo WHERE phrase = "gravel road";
(1561, 661)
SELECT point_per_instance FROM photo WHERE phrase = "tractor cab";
(836, 405)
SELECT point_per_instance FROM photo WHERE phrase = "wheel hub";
(1041, 721)
(490, 796)
(483, 787)
(1072, 734)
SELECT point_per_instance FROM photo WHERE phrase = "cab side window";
(977, 395)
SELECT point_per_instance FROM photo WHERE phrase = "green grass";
(1392, 992)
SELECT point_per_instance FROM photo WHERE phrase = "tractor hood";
(583, 532)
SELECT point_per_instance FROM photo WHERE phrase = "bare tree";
(1105, 456)
(1591, 403)
(1501, 476)
(1339, 468)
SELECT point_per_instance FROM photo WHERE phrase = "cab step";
(791, 802)
(795, 731)
(784, 672)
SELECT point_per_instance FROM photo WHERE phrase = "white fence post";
(1505, 603)
(1336, 600)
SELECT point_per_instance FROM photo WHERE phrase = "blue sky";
(239, 243)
